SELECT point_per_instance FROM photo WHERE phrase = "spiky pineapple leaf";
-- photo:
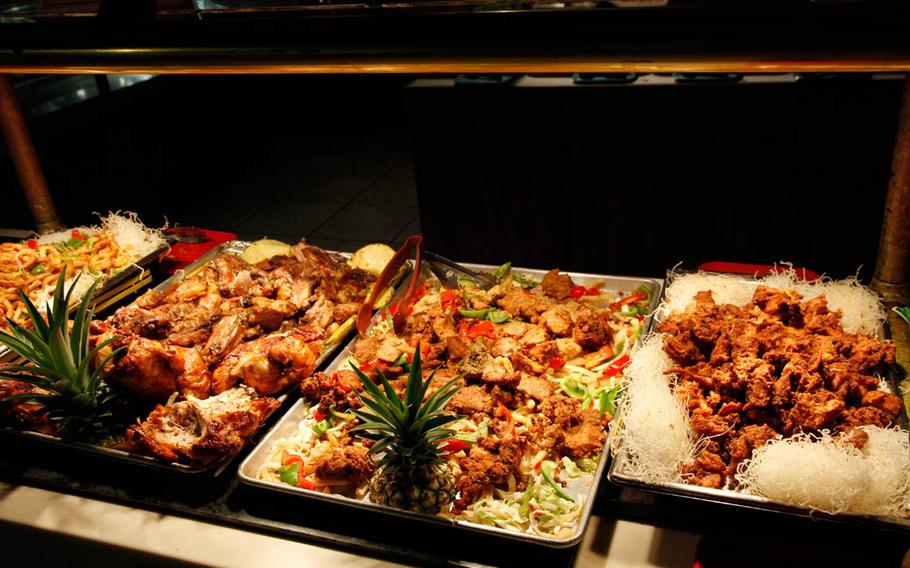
(79, 403)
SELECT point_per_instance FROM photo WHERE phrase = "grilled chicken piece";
(19, 413)
(154, 369)
(203, 430)
(270, 313)
(339, 282)
(226, 334)
(272, 362)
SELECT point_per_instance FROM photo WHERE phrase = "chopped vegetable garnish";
(617, 366)
(573, 388)
(524, 281)
(502, 271)
(628, 300)
(547, 470)
(322, 426)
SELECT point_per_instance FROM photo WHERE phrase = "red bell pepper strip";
(629, 300)
(617, 366)
(593, 291)
(557, 363)
(502, 411)
(336, 378)
(304, 483)
(32, 244)
(453, 445)
(483, 328)
(372, 364)
(319, 416)
(288, 459)
(578, 291)
(448, 299)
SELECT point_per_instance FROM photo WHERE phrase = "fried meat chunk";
(202, 431)
(270, 363)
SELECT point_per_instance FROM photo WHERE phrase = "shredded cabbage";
(538, 510)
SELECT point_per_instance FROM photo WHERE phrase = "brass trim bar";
(217, 61)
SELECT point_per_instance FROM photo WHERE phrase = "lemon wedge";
(372, 257)
(263, 249)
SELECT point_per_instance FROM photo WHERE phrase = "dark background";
(623, 180)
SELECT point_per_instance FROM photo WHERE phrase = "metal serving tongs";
(449, 272)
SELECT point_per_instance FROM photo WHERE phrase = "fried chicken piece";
(814, 411)
(154, 370)
(583, 429)
(817, 318)
(682, 349)
(707, 470)
(537, 388)
(499, 371)
(524, 304)
(21, 414)
(349, 463)
(557, 320)
(202, 431)
(591, 331)
(887, 403)
(270, 363)
(865, 416)
(489, 464)
(471, 400)
(746, 441)
(505, 347)
(780, 304)
(557, 285)
(709, 425)
(544, 352)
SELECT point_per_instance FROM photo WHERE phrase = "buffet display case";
(602, 42)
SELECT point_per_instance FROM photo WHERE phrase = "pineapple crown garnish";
(58, 357)
(408, 431)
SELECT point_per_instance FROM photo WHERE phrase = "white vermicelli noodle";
(861, 310)
(654, 427)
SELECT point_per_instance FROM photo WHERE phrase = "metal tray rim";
(735, 498)
(595, 480)
(214, 468)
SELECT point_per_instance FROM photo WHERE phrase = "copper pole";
(892, 269)
(26, 160)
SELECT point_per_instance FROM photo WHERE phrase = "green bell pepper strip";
(322, 426)
(502, 271)
(524, 281)
(346, 416)
(546, 470)
(475, 314)
(572, 388)
(289, 474)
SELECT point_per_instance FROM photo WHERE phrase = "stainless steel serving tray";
(585, 485)
(128, 280)
(734, 498)
(217, 467)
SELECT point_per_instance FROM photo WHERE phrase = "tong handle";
(385, 277)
